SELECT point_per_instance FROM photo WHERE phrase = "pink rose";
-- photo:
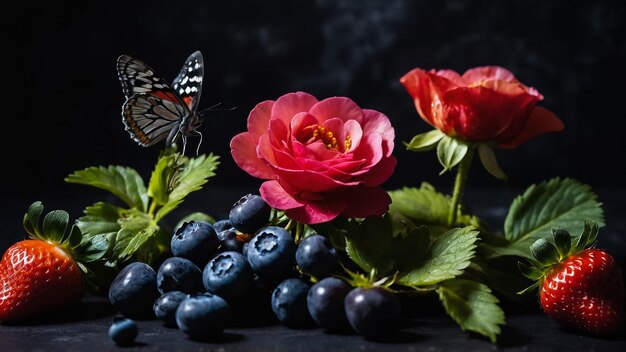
(322, 158)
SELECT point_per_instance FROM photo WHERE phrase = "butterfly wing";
(153, 116)
(188, 83)
(137, 77)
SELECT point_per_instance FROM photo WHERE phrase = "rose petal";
(287, 106)
(540, 121)
(317, 212)
(377, 122)
(355, 131)
(488, 73)
(380, 172)
(243, 149)
(259, 118)
(341, 107)
(277, 197)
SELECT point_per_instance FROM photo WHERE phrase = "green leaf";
(371, 244)
(446, 258)
(563, 203)
(191, 178)
(31, 219)
(424, 141)
(472, 306)
(488, 159)
(125, 183)
(138, 240)
(450, 152)
(75, 236)
(160, 184)
(54, 225)
(100, 218)
(544, 252)
(530, 271)
(562, 241)
(92, 249)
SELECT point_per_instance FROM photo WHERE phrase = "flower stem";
(459, 185)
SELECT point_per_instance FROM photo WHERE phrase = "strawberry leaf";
(195, 173)
(31, 219)
(54, 225)
(563, 203)
(445, 259)
(472, 306)
(125, 183)
(92, 249)
(100, 218)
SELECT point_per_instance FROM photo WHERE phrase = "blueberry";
(123, 331)
(289, 303)
(196, 241)
(203, 316)
(271, 252)
(372, 312)
(316, 256)
(134, 290)
(249, 213)
(229, 242)
(325, 302)
(228, 275)
(179, 274)
(166, 305)
(221, 225)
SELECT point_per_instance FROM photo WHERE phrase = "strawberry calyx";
(547, 255)
(53, 229)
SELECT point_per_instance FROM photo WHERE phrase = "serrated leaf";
(446, 258)
(564, 203)
(31, 218)
(489, 161)
(471, 305)
(191, 178)
(100, 218)
(125, 183)
(54, 225)
(92, 249)
(371, 244)
(122, 239)
(450, 152)
(138, 240)
(159, 187)
(424, 141)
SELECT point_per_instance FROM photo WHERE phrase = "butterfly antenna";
(214, 108)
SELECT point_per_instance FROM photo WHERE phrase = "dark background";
(62, 99)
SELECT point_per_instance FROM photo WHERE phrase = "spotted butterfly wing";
(153, 111)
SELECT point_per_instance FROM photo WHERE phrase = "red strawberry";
(579, 287)
(43, 273)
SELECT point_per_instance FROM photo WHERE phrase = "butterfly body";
(154, 110)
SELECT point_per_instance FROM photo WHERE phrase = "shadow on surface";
(511, 337)
(399, 336)
(81, 312)
(225, 337)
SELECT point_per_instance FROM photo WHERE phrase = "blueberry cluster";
(242, 270)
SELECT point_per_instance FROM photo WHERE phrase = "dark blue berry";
(166, 305)
(325, 301)
(228, 275)
(221, 225)
(316, 256)
(271, 252)
(249, 213)
(134, 290)
(123, 331)
(289, 303)
(203, 316)
(229, 242)
(372, 312)
(179, 274)
(196, 241)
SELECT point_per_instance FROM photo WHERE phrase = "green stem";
(459, 185)
(153, 206)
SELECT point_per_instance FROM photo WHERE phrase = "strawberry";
(44, 273)
(580, 287)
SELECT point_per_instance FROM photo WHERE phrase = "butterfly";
(154, 110)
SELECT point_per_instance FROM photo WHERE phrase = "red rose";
(322, 158)
(485, 104)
